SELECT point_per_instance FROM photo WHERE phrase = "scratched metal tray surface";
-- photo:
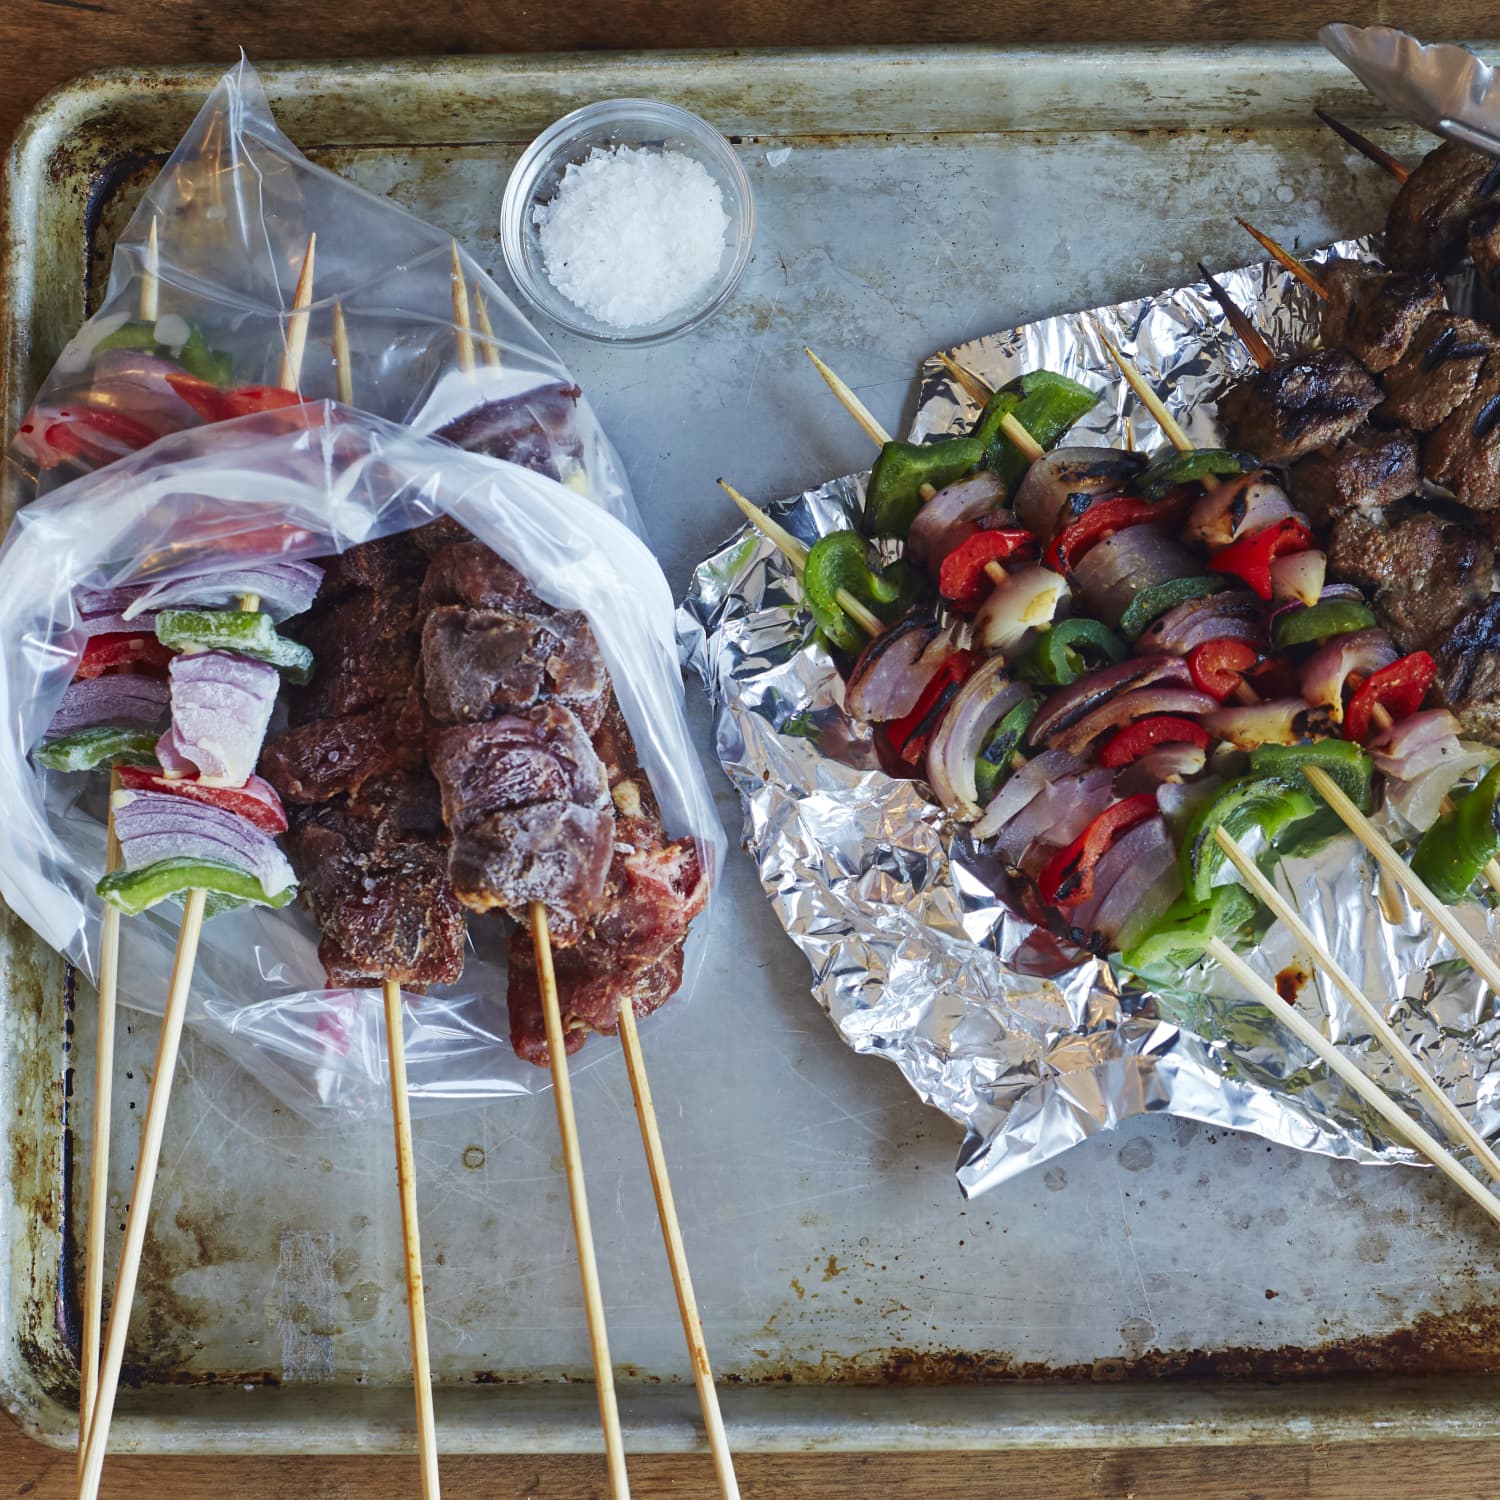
(1162, 1283)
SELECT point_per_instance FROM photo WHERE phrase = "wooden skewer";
(583, 1234)
(850, 402)
(489, 345)
(1146, 396)
(411, 1238)
(1368, 1091)
(671, 1231)
(139, 1213)
(796, 554)
(342, 372)
(1366, 147)
(151, 277)
(1249, 335)
(1284, 257)
(296, 328)
(1438, 914)
(464, 328)
(1441, 1107)
(973, 387)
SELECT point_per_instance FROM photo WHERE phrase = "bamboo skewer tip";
(1245, 330)
(1365, 146)
(850, 402)
(1284, 258)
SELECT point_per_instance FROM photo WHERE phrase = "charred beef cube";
(333, 757)
(468, 573)
(537, 430)
(1283, 413)
(1469, 670)
(365, 650)
(479, 662)
(1484, 246)
(1423, 570)
(381, 897)
(1464, 453)
(591, 988)
(1369, 471)
(1437, 373)
(1428, 223)
(1375, 313)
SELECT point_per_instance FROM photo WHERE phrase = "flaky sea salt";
(633, 235)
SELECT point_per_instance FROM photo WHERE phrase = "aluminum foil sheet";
(919, 950)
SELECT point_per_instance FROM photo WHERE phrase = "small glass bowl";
(622, 122)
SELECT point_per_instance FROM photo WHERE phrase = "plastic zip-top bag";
(197, 320)
(193, 518)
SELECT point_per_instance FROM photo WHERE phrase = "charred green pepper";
(101, 746)
(1072, 647)
(1344, 762)
(248, 632)
(1269, 803)
(996, 761)
(1169, 468)
(838, 563)
(1178, 937)
(135, 890)
(1464, 839)
(1157, 598)
(1048, 405)
(893, 495)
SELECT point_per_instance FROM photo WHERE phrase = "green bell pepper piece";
(248, 632)
(1158, 598)
(1072, 647)
(1000, 406)
(1178, 937)
(195, 356)
(995, 763)
(1049, 404)
(134, 890)
(1269, 803)
(1464, 839)
(838, 562)
(894, 494)
(1169, 468)
(1300, 627)
(1349, 766)
(100, 746)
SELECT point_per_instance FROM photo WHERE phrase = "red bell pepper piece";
(909, 736)
(1219, 666)
(1103, 518)
(1134, 740)
(1250, 558)
(122, 648)
(961, 578)
(256, 802)
(87, 434)
(1068, 877)
(1398, 688)
(214, 404)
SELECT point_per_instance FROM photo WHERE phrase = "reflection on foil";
(918, 951)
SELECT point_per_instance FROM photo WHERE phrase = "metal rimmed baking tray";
(1160, 1284)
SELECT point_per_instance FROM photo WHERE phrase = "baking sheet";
(927, 196)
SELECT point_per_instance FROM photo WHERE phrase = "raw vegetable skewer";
(1367, 1090)
(154, 1123)
(104, 1060)
(1366, 147)
(1453, 1120)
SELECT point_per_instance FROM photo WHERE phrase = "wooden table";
(42, 42)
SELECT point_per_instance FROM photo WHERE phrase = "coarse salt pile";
(633, 234)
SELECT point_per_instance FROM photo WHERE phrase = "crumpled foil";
(919, 952)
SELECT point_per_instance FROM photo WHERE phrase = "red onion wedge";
(1029, 599)
(123, 699)
(1060, 485)
(1167, 765)
(1326, 672)
(1112, 572)
(1233, 615)
(1136, 876)
(1420, 800)
(952, 516)
(1064, 808)
(978, 706)
(153, 826)
(1416, 743)
(283, 588)
(1125, 708)
(1021, 789)
(1299, 577)
(221, 705)
(1278, 721)
(1068, 705)
(1237, 507)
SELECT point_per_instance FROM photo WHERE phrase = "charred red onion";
(1237, 507)
(1125, 708)
(895, 668)
(952, 516)
(1112, 572)
(1278, 721)
(1070, 704)
(1060, 485)
(1325, 673)
(980, 704)
(1019, 790)
(1233, 615)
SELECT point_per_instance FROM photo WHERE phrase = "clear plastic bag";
(233, 208)
(305, 483)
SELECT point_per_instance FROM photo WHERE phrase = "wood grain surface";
(43, 42)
